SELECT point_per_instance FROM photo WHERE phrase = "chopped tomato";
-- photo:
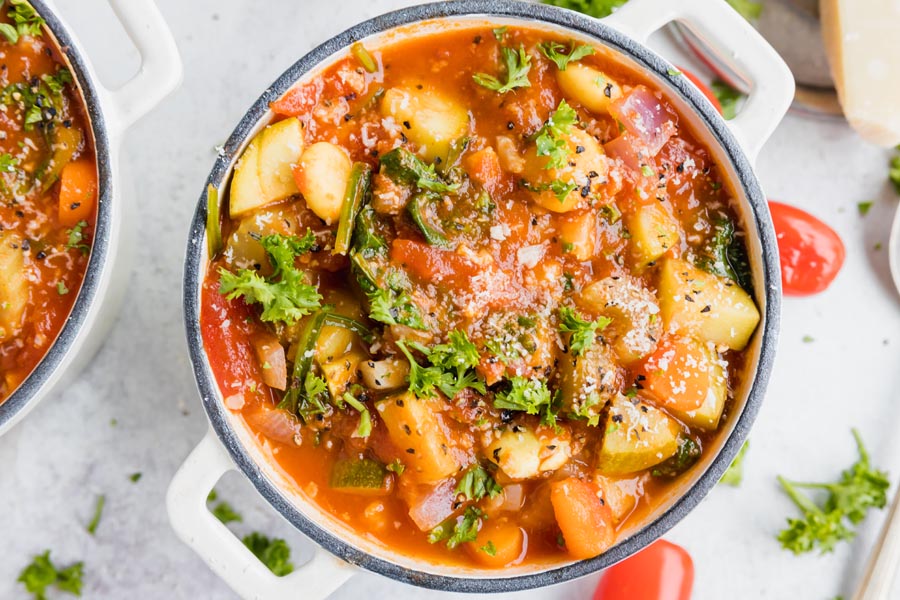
(661, 571)
(299, 101)
(811, 252)
(705, 89)
(433, 264)
(585, 521)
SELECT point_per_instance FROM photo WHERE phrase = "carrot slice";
(77, 192)
(680, 374)
(585, 521)
(499, 544)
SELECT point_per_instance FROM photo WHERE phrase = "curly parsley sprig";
(517, 63)
(583, 332)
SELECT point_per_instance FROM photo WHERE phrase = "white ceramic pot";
(229, 445)
(110, 113)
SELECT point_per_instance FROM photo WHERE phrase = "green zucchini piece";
(213, 225)
(306, 350)
(358, 476)
(357, 190)
(418, 210)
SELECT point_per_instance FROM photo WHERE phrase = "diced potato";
(708, 307)
(364, 477)
(413, 427)
(592, 88)
(510, 156)
(242, 248)
(620, 495)
(281, 147)
(586, 167)
(521, 454)
(577, 233)
(637, 437)
(686, 377)
(588, 382)
(636, 326)
(341, 372)
(13, 285)
(434, 119)
(271, 358)
(653, 233)
(246, 190)
(322, 176)
(384, 375)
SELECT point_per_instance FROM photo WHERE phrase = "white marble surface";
(67, 451)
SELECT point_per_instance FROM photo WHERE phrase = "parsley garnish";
(8, 163)
(864, 207)
(223, 511)
(861, 487)
(405, 167)
(478, 483)
(9, 32)
(499, 32)
(593, 8)
(396, 466)
(728, 98)
(76, 238)
(529, 395)
(364, 429)
(555, 52)
(285, 296)
(98, 512)
(726, 256)
(274, 553)
(61, 288)
(559, 187)
(551, 138)
(42, 574)
(735, 473)
(517, 63)
(26, 19)
(135, 477)
(583, 332)
(393, 307)
(463, 529)
(450, 370)
(489, 548)
(39, 99)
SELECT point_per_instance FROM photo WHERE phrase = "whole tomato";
(812, 254)
(661, 571)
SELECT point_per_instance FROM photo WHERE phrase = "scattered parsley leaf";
(9, 32)
(76, 238)
(135, 477)
(673, 72)
(98, 512)
(478, 483)
(808, 339)
(403, 166)
(42, 574)
(274, 553)
(583, 332)
(728, 98)
(364, 429)
(499, 32)
(551, 139)
(396, 466)
(26, 19)
(860, 488)
(225, 513)
(735, 472)
(593, 8)
(61, 288)
(489, 548)
(529, 395)
(864, 207)
(285, 296)
(392, 307)
(749, 9)
(451, 367)
(561, 55)
(647, 171)
(517, 63)
(458, 531)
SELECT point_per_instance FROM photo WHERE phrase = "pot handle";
(720, 27)
(223, 552)
(161, 70)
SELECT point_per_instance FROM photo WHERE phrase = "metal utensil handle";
(884, 560)
(719, 27)
(225, 554)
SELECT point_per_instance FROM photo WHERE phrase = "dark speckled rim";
(767, 283)
(31, 388)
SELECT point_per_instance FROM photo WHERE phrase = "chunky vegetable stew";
(480, 293)
(48, 192)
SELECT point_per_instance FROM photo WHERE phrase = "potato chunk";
(591, 87)
(588, 382)
(653, 233)
(636, 326)
(434, 120)
(246, 190)
(637, 437)
(521, 454)
(710, 308)
(13, 285)
(586, 168)
(322, 176)
(413, 427)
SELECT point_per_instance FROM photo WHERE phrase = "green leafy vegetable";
(394, 307)
(529, 395)
(274, 553)
(98, 512)
(8, 163)
(726, 256)
(727, 96)
(403, 166)
(593, 8)
(39, 100)
(76, 238)
(26, 19)
(561, 55)
(687, 454)
(354, 198)
(860, 488)
(450, 370)
(458, 531)
(135, 477)
(583, 332)
(285, 296)
(749, 9)
(517, 63)
(559, 187)
(489, 548)
(551, 139)
(42, 574)
(499, 32)
(735, 473)
(418, 209)
(225, 513)
(478, 483)
(396, 466)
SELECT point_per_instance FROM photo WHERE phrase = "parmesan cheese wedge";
(864, 53)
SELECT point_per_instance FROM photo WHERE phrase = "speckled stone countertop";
(135, 408)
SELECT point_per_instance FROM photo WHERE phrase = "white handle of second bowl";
(721, 27)
(161, 69)
(225, 554)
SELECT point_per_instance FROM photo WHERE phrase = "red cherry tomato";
(661, 571)
(703, 88)
(811, 252)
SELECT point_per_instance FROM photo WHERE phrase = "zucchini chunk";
(710, 308)
(246, 190)
(588, 382)
(364, 477)
(413, 427)
(521, 454)
(637, 437)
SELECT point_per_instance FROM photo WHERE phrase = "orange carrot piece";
(77, 192)
(499, 544)
(585, 521)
